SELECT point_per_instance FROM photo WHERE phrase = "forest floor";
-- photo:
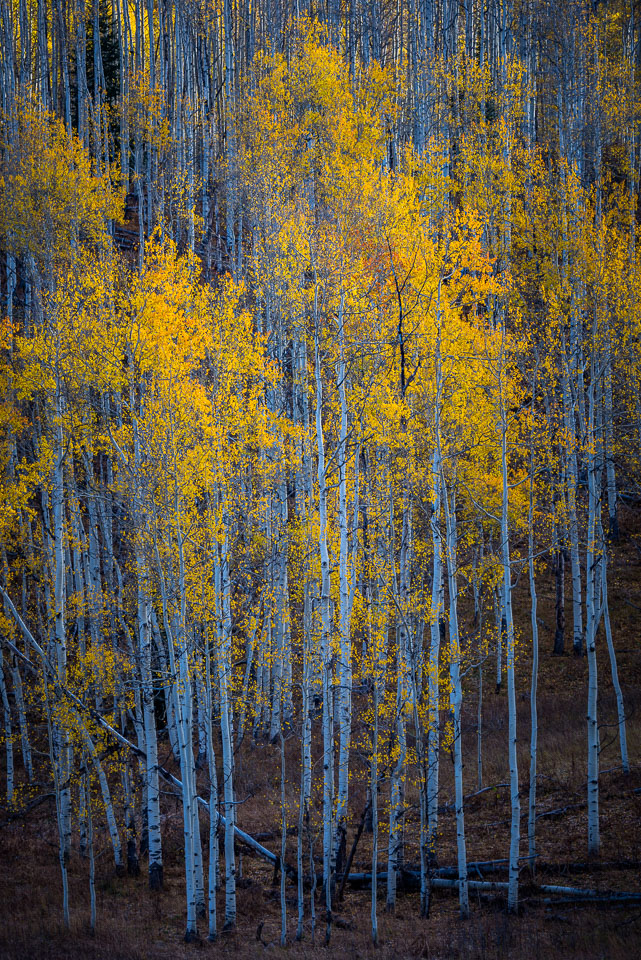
(134, 924)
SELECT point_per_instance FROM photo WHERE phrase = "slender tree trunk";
(328, 733)
(223, 592)
(345, 661)
(623, 741)
(531, 824)
(213, 801)
(456, 698)
(435, 612)
(8, 732)
(593, 617)
(513, 890)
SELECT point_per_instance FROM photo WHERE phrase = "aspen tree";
(397, 779)
(456, 697)
(326, 655)
(213, 800)
(377, 627)
(152, 789)
(436, 598)
(531, 824)
(223, 586)
(592, 600)
(510, 642)
(27, 757)
(92, 857)
(8, 731)
(623, 740)
(345, 595)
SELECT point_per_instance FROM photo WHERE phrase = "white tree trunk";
(22, 720)
(531, 823)
(223, 595)
(106, 800)
(456, 698)
(152, 788)
(436, 612)
(515, 804)
(61, 735)
(345, 595)
(623, 741)
(573, 523)
(326, 653)
(8, 732)
(593, 617)
(213, 799)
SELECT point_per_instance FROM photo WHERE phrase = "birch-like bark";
(177, 644)
(251, 667)
(92, 856)
(230, 132)
(133, 867)
(213, 800)
(283, 844)
(282, 706)
(573, 523)
(374, 795)
(345, 593)
(177, 641)
(623, 740)
(8, 732)
(22, 719)
(378, 627)
(306, 754)
(56, 768)
(479, 730)
(106, 800)
(62, 736)
(152, 788)
(436, 606)
(592, 617)
(421, 762)
(515, 804)
(608, 423)
(531, 823)
(223, 595)
(401, 589)
(304, 499)
(168, 685)
(456, 696)
(326, 653)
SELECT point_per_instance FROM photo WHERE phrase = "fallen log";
(486, 886)
(576, 894)
(414, 877)
(449, 807)
(587, 894)
(599, 866)
(480, 866)
(593, 901)
(559, 811)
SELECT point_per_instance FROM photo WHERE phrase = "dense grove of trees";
(314, 318)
